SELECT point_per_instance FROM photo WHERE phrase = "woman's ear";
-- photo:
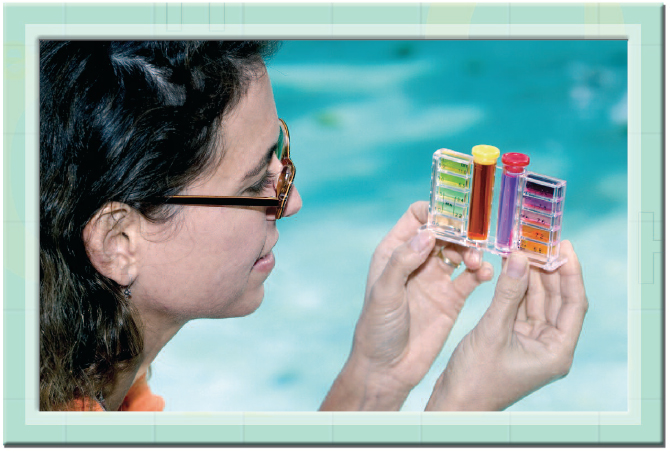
(111, 239)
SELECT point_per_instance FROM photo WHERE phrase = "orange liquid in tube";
(483, 179)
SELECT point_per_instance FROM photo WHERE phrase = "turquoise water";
(365, 118)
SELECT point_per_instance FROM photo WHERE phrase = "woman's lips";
(265, 263)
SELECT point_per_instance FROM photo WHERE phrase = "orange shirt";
(138, 398)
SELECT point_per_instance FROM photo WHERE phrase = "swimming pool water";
(365, 118)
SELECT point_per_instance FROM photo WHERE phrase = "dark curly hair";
(124, 121)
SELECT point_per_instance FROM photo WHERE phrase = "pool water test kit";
(529, 205)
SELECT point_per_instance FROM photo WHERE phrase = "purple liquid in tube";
(508, 195)
(513, 168)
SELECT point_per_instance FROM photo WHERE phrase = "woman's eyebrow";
(264, 162)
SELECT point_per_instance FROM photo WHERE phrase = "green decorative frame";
(641, 25)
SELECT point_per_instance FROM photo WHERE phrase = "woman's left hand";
(525, 340)
(411, 305)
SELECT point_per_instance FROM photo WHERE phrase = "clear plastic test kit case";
(464, 199)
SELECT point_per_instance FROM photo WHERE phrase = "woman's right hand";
(412, 302)
(525, 340)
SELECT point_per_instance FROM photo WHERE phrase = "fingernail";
(486, 271)
(420, 241)
(516, 266)
(477, 257)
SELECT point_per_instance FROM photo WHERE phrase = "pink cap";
(515, 162)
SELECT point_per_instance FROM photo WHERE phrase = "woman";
(164, 168)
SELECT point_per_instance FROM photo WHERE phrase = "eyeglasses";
(283, 185)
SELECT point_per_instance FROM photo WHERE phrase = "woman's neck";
(154, 340)
(157, 332)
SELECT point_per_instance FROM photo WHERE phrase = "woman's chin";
(247, 304)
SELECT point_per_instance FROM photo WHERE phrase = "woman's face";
(212, 261)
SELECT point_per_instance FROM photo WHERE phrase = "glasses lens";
(287, 173)
(283, 183)
(280, 143)
(283, 142)
(283, 188)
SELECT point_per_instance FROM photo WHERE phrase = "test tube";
(514, 166)
(483, 178)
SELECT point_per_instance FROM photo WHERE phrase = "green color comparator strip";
(454, 180)
(455, 167)
(450, 209)
(454, 196)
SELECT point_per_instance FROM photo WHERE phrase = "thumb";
(510, 291)
(405, 260)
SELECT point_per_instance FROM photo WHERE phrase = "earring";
(126, 292)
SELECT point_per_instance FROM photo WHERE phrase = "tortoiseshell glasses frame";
(284, 184)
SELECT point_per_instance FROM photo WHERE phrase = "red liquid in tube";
(483, 179)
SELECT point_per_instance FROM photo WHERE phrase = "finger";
(510, 291)
(521, 314)
(551, 281)
(419, 212)
(469, 280)
(575, 304)
(404, 260)
(524, 328)
(415, 216)
(449, 260)
(535, 299)
(471, 257)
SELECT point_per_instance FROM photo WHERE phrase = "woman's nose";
(294, 202)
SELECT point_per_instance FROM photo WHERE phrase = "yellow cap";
(485, 154)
